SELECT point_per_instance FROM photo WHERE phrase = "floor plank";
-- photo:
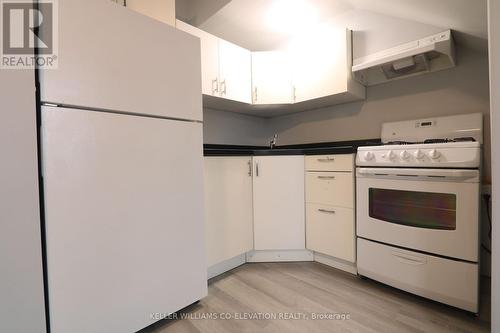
(283, 297)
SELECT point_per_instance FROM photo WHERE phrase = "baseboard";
(336, 263)
(226, 265)
(280, 256)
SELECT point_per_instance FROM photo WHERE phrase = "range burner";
(400, 143)
(462, 139)
(430, 141)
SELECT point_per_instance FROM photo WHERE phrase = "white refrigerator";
(122, 167)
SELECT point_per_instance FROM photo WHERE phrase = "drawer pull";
(326, 159)
(326, 177)
(326, 211)
(409, 259)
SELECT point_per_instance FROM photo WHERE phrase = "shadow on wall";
(464, 89)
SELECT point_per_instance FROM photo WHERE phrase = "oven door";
(431, 210)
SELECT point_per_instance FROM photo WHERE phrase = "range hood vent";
(426, 55)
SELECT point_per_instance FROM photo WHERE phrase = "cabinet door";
(209, 57)
(279, 218)
(330, 230)
(228, 207)
(271, 78)
(330, 188)
(320, 64)
(235, 72)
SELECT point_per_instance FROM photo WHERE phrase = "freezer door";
(124, 219)
(111, 57)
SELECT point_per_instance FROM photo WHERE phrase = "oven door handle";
(414, 173)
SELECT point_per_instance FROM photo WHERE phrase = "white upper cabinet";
(209, 58)
(315, 71)
(271, 78)
(321, 63)
(235, 73)
(226, 67)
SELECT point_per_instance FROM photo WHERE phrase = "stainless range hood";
(430, 54)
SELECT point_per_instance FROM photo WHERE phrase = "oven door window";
(416, 209)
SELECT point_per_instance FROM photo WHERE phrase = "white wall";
(21, 279)
(221, 127)
(463, 89)
(494, 39)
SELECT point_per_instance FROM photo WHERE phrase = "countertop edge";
(320, 148)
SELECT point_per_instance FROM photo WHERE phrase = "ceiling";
(246, 22)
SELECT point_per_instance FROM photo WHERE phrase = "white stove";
(446, 142)
(432, 155)
(417, 208)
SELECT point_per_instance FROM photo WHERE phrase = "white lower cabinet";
(330, 231)
(330, 188)
(279, 209)
(228, 208)
(330, 219)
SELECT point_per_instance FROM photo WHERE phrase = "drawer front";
(330, 230)
(343, 162)
(448, 281)
(330, 188)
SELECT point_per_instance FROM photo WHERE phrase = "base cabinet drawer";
(343, 162)
(330, 188)
(444, 280)
(330, 230)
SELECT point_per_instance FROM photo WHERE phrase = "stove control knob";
(389, 155)
(369, 156)
(418, 154)
(404, 155)
(434, 154)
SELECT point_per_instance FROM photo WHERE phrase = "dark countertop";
(322, 148)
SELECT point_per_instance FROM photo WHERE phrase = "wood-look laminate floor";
(264, 291)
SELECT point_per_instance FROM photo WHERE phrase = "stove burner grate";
(429, 141)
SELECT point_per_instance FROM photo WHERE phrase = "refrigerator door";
(124, 219)
(113, 58)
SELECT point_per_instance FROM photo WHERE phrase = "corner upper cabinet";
(271, 78)
(235, 72)
(226, 67)
(322, 69)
